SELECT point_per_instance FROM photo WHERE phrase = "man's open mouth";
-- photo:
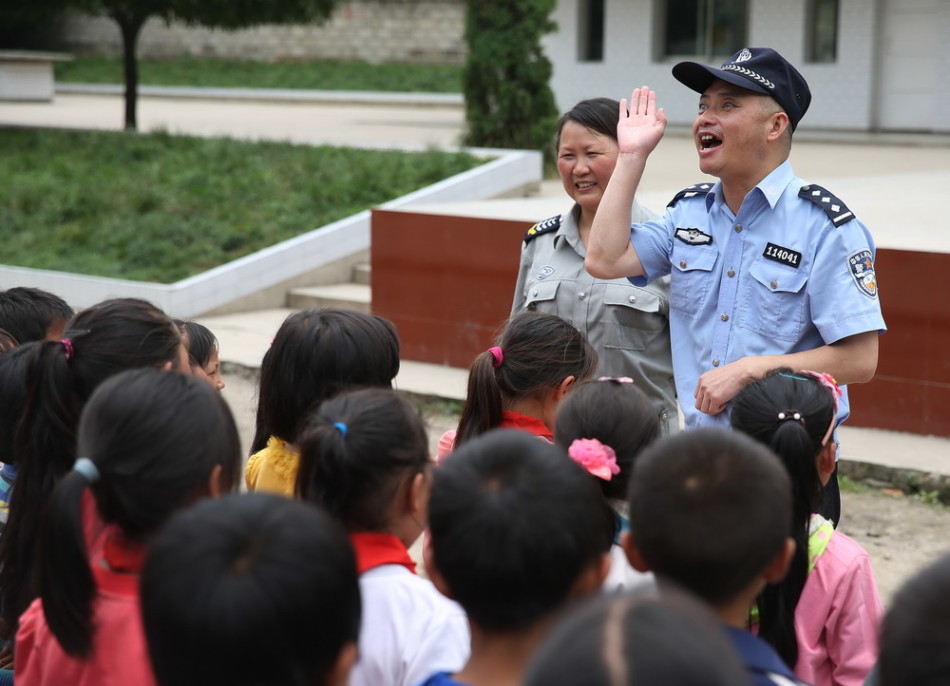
(707, 141)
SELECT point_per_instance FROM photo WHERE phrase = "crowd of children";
(568, 541)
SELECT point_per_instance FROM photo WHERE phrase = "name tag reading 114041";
(782, 255)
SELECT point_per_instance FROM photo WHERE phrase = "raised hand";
(641, 128)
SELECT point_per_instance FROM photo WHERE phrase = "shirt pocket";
(773, 301)
(541, 296)
(691, 268)
(632, 317)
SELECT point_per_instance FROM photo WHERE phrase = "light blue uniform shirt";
(780, 277)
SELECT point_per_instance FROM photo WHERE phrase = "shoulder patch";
(691, 192)
(547, 226)
(836, 210)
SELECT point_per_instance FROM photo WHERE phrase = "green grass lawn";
(160, 208)
(319, 75)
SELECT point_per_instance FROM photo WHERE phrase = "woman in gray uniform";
(627, 325)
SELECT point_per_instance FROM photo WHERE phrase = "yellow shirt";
(273, 469)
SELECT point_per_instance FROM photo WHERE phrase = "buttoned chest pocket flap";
(774, 300)
(632, 317)
(542, 297)
(691, 267)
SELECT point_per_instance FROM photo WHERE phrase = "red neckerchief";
(374, 549)
(522, 422)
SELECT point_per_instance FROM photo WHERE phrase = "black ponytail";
(790, 413)
(154, 439)
(357, 451)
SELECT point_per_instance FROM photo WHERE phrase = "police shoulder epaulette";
(547, 226)
(692, 191)
(836, 210)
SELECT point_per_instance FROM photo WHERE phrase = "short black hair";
(709, 510)
(915, 639)
(599, 115)
(249, 575)
(633, 639)
(27, 313)
(514, 522)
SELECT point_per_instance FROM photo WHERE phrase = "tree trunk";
(130, 24)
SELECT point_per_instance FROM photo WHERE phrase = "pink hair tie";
(598, 459)
(68, 344)
(828, 381)
(498, 355)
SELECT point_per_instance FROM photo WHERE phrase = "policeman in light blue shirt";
(767, 270)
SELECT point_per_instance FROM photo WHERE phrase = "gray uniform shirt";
(627, 326)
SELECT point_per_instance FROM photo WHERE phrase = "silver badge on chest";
(544, 272)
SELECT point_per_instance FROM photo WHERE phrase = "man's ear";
(780, 122)
(778, 567)
(632, 552)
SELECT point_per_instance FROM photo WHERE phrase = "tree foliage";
(508, 99)
(131, 15)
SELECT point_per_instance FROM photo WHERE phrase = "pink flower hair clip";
(598, 459)
(828, 381)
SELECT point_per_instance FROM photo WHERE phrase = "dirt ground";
(901, 533)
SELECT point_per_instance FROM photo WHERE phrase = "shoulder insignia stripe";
(835, 210)
(692, 191)
(547, 226)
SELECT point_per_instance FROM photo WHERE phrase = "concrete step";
(351, 296)
(361, 274)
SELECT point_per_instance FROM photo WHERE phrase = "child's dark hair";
(12, 397)
(202, 599)
(61, 375)
(28, 313)
(356, 451)
(534, 354)
(617, 414)
(315, 355)
(155, 439)
(199, 340)
(600, 115)
(756, 412)
(915, 638)
(634, 639)
(710, 509)
(514, 523)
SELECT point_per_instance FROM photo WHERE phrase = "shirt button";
(534, 292)
(716, 362)
(581, 295)
(738, 228)
(731, 273)
(633, 298)
(774, 285)
(682, 264)
(724, 317)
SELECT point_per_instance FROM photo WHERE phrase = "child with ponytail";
(604, 425)
(824, 617)
(519, 382)
(364, 458)
(61, 375)
(150, 444)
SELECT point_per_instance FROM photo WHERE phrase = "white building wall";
(844, 94)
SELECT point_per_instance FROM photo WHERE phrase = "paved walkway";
(893, 183)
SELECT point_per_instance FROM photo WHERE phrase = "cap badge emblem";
(746, 54)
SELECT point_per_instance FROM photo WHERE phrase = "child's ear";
(340, 672)
(826, 462)
(565, 386)
(778, 567)
(633, 553)
(417, 495)
(592, 578)
(214, 482)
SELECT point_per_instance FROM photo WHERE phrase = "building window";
(822, 31)
(590, 30)
(705, 29)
